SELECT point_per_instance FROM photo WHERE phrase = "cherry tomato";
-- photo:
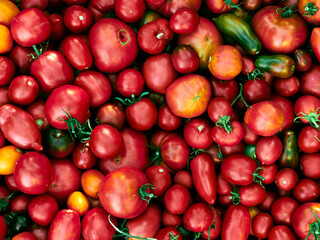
(130, 81)
(185, 59)
(160, 178)
(309, 165)
(219, 107)
(130, 12)
(79, 202)
(167, 120)
(8, 70)
(20, 203)
(281, 232)
(268, 172)
(8, 11)
(252, 195)
(6, 42)
(83, 157)
(167, 233)
(111, 114)
(170, 220)
(91, 181)
(197, 133)
(77, 19)
(282, 210)
(184, 21)
(9, 156)
(183, 178)
(177, 199)
(306, 190)
(286, 179)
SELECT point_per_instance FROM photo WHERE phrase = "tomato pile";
(159, 119)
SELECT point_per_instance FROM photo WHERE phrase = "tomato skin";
(164, 233)
(122, 184)
(227, 89)
(261, 225)
(177, 199)
(249, 137)
(197, 133)
(219, 107)
(315, 40)
(167, 120)
(37, 111)
(42, 209)
(198, 217)
(8, 11)
(256, 90)
(117, 53)
(9, 156)
(111, 114)
(183, 178)
(204, 177)
(307, 139)
(281, 232)
(252, 195)
(236, 223)
(58, 28)
(184, 21)
(216, 223)
(9, 181)
(83, 157)
(309, 165)
(305, 105)
(24, 236)
(170, 220)
(7, 70)
(287, 86)
(223, 186)
(286, 179)
(266, 204)
(160, 178)
(268, 172)
(30, 27)
(282, 210)
(130, 81)
(220, 6)
(265, 118)
(32, 173)
(22, 61)
(223, 138)
(20, 203)
(268, 149)
(310, 84)
(185, 59)
(306, 190)
(130, 12)
(96, 226)
(3, 228)
(77, 19)
(66, 225)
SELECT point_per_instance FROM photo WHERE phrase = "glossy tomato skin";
(287, 107)
(117, 53)
(198, 217)
(66, 225)
(8, 70)
(77, 19)
(309, 165)
(238, 169)
(83, 157)
(160, 178)
(58, 30)
(36, 110)
(261, 225)
(177, 199)
(305, 105)
(223, 186)
(307, 139)
(281, 232)
(20, 203)
(315, 40)
(268, 149)
(197, 133)
(215, 227)
(282, 210)
(123, 184)
(306, 190)
(33, 173)
(223, 138)
(268, 172)
(185, 59)
(219, 107)
(51, 70)
(189, 96)
(3, 228)
(111, 114)
(220, 6)
(266, 204)
(249, 137)
(167, 120)
(310, 83)
(227, 89)
(286, 179)
(30, 27)
(256, 90)
(170, 220)
(164, 233)
(184, 21)
(273, 29)
(24, 236)
(183, 178)
(130, 12)
(22, 61)
(236, 223)
(287, 86)
(252, 195)
(130, 81)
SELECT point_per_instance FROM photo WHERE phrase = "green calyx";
(4, 202)
(195, 152)
(310, 9)
(312, 117)
(314, 227)
(39, 49)
(144, 194)
(257, 177)
(173, 237)
(235, 196)
(156, 154)
(224, 122)
(256, 74)
(229, 3)
(287, 11)
(132, 100)
(240, 96)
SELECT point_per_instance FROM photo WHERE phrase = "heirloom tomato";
(309, 10)
(8, 10)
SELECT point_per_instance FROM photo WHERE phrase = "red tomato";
(268, 172)
(249, 137)
(282, 210)
(261, 225)
(306, 190)
(256, 90)
(130, 81)
(7, 70)
(281, 232)
(77, 19)
(23, 90)
(167, 120)
(215, 227)
(198, 217)
(124, 185)
(223, 186)
(111, 114)
(227, 134)
(286, 179)
(83, 157)
(315, 40)
(227, 89)
(310, 81)
(306, 109)
(183, 178)
(287, 107)
(252, 195)
(177, 199)
(310, 165)
(170, 220)
(303, 60)
(3, 228)
(185, 59)
(33, 173)
(9, 180)
(21, 58)
(184, 21)
(130, 11)
(308, 139)
(268, 149)
(219, 107)
(287, 86)
(235, 149)
(37, 111)
(220, 6)
(267, 202)
(24, 236)
(66, 225)
(197, 133)
(160, 178)
(20, 203)
(166, 233)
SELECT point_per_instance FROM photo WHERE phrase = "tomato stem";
(235, 196)
(197, 235)
(144, 194)
(256, 74)
(310, 9)
(157, 153)
(4, 202)
(312, 117)
(224, 122)
(173, 237)
(314, 227)
(132, 100)
(287, 11)
(231, 4)
(240, 96)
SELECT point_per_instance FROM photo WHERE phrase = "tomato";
(65, 179)
(308, 139)
(24, 236)
(32, 173)
(130, 12)
(220, 62)
(256, 90)
(119, 51)
(310, 83)
(306, 190)
(158, 72)
(37, 111)
(252, 5)
(188, 96)
(42, 4)
(30, 27)
(167, 120)
(77, 19)
(42, 209)
(221, 6)
(215, 227)
(236, 223)
(281, 232)
(223, 186)
(177, 199)
(8, 11)
(167, 233)
(227, 89)
(160, 178)
(124, 184)
(279, 30)
(268, 149)
(185, 59)
(287, 86)
(111, 114)
(249, 137)
(235, 149)
(261, 225)
(286, 179)
(20, 203)
(8, 70)
(79, 202)
(9, 180)
(3, 228)
(83, 157)
(282, 210)
(303, 60)
(91, 181)
(197, 133)
(268, 172)
(58, 28)
(6, 42)
(65, 225)
(9, 156)
(130, 81)
(265, 118)
(184, 21)
(67, 99)
(287, 107)
(21, 58)
(227, 133)
(183, 178)
(204, 39)
(252, 195)
(170, 220)
(309, 165)
(309, 10)
(306, 109)
(41, 233)
(238, 169)
(219, 107)
(266, 204)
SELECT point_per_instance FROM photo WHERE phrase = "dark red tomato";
(249, 137)
(160, 178)
(37, 111)
(77, 19)
(96, 226)
(221, 6)
(20, 203)
(23, 90)
(21, 58)
(252, 195)
(124, 184)
(310, 81)
(278, 30)
(197, 133)
(236, 223)
(219, 107)
(248, 65)
(147, 224)
(130, 11)
(223, 186)
(65, 179)
(83, 157)
(306, 190)
(252, 5)
(227, 89)
(184, 21)
(306, 105)
(130, 81)
(286, 179)
(308, 139)
(183, 178)
(266, 204)
(30, 27)
(42, 209)
(4, 228)
(111, 114)
(185, 59)
(167, 120)
(215, 227)
(65, 225)
(170, 220)
(42, 4)
(287, 86)
(167, 233)
(119, 51)
(103, 5)
(261, 225)
(198, 217)
(225, 200)
(281, 232)
(177, 199)
(228, 135)
(7, 70)
(158, 72)
(58, 27)
(265, 118)
(235, 149)
(24, 236)
(256, 90)
(310, 165)
(10, 183)
(134, 153)
(268, 149)
(67, 99)
(32, 173)
(268, 172)
(287, 107)
(204, 177)
(303, 60)
(238, 169)
(282, 210)
(51, 70)
(142, 115)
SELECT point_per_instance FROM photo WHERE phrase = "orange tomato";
(77, 201)
(91, 181)
(6, 41)
(9, 155)
(253, 212)
(8, 10)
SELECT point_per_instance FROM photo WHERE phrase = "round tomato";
(8, 10)
(306, 190)
(170, 220)
(130, 81)
(8, 70)
(167, 120)
(24, 236)
(308, 139)
(3, 228)
(111, 114)
(160, 178)
(177, 199)
(252, 195)
(130, 12)
(6, 39)
(268, 149)
(198, 217)
(281, 232)
(183, 178)
(282, 210)
(309, 165)
(197, 133)
(310, 81)
(309, 10)
(167, 233)
(77, 19)
(9, 156)
(184, 21)
(79, 202)
(185, 59)
(256, 90)
(261, 225)
(91, 181)
(226, 133)
(286, 179)
(83, 157)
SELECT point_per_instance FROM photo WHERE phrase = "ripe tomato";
(287, 86)
(6, 39)
(268, 149)
(183, 178)
(160, 178)
(8, 70)
(77, 18)
(79, 202)
(177, 199)
(3, 228)
(83, 157)
(286, 179)
(9, 156)
(268, 172)
(8, 10)
(223, 186)
(261, 225)
(310, 83)
(130, 81)
(130, 12)
(167, 120)
(306, 190)
(227, 89)
(226, 133)
(24, 236)
(198, 217)
(20, 203)
(185, 59)
(267, 202)
(308, 139)
(197, 133)
(281, 232)
(306, 109)
(309, 10)
(111, 114)
(167, 233)
(309, 165)
(91, 181)
(170, 220)
(287, 107)
(219, 107)
(252, 195)
(256, 90)
(282, 210)
(184, 21)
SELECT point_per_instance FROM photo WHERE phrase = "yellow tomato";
(8, 10)
(9, 155)
(79, 202)
(6, 41)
